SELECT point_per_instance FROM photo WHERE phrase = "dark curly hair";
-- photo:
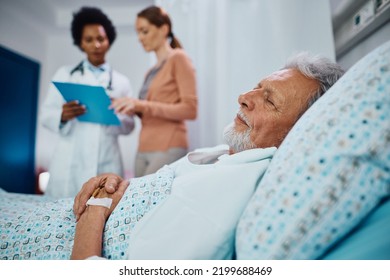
(91, 15)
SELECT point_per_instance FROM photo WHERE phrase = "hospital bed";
(325, 194)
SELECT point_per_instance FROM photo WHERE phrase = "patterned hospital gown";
(36, 227)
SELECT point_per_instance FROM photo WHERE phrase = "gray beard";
(237, 141)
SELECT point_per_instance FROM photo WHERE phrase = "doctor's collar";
(96, 69)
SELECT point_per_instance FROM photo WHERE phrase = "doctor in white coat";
(85, 149)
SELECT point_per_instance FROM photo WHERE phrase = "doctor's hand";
(111, 183)
(124, 105)
(72, 109)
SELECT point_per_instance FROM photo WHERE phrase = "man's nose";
(97, 44)
(246, 100)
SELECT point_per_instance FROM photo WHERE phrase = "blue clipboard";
(95, 100)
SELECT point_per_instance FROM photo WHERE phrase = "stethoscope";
(80, 67)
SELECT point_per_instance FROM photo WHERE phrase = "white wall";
(18, 34)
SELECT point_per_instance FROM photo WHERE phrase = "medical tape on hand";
(105, 201)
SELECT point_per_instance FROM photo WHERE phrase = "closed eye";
(271, 103)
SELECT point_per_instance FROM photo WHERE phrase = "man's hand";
(90, 225)
(116, 197)
(113, 185)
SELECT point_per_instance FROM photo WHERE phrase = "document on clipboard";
(94, 98)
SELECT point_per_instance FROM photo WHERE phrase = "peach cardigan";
(171, 99)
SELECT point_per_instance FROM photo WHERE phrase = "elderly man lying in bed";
(187, 210)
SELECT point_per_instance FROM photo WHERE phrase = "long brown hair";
(158, 17)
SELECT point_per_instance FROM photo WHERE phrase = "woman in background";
(167, 97)
(85, 149)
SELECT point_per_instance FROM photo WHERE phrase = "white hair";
(238, 141)
(316, 67)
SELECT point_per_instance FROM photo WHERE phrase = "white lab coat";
(84, 149)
